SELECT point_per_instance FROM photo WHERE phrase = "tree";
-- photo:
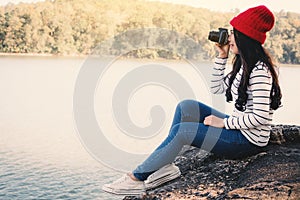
(71, 27)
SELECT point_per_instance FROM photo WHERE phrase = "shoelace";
(122, 179)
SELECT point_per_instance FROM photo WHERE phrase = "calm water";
(41, 155)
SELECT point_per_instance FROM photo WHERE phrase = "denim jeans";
(188, 129)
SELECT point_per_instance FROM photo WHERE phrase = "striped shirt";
(255, 121)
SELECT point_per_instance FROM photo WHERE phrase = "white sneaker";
(161, 176)
(125, 186)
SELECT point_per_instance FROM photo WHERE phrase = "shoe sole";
(148, 186)
(162, 180)
(123, 192)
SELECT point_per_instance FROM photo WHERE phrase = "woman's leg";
(193, 111)
(223, 142)
(188, 112)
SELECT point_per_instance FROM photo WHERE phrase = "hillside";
(75, 27)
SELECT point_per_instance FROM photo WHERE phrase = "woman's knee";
(190, 110)
(187, 103)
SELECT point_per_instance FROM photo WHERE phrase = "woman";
(252, 85)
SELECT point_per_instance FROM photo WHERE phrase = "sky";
(230, 5)
(218, 5)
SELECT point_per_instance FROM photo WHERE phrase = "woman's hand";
(212, 120)
(223, 50)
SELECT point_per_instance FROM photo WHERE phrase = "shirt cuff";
(225, 121)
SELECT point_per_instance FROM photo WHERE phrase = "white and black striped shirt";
(255, 121)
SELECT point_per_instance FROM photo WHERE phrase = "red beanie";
(254, 22)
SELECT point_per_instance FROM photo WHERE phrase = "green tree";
(70, 27)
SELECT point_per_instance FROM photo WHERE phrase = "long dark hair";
(250, 52)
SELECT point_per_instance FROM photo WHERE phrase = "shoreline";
(38, 55)
(28, 55)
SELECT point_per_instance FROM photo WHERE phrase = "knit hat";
(254, 22)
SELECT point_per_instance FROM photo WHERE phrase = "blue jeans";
(188, 129)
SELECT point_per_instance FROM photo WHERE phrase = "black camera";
(220, 36)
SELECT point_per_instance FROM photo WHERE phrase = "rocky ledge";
(271, 174)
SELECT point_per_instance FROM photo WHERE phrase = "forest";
(76, 27)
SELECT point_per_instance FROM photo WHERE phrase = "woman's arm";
(217, 85)
(217, 81)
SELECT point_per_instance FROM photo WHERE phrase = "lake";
(45, 152)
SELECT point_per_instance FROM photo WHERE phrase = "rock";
(271, 174)
(285, 134)
(267, 190)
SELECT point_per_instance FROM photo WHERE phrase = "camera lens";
(213, 36)
(220, 36)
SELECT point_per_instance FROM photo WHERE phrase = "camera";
(220, 36)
